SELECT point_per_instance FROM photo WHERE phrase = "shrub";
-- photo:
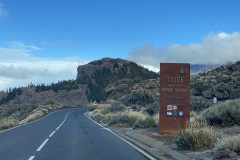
(124, 81)
(122, 87)
(135, 116)
(96, 116)
(127, 117)
(35, 115)
(137, 79)
(92, 107)
(141, 96)
(153, 108)
(109, 90)
(116, 106)
(49, 102)
(226, 113)
(199, 137)
(122, 117)
(228, 142)
(198, 103)
(144, 123)
(193, 113)
(112, 121)
(8, 123)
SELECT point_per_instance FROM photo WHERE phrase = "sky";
(44, 41)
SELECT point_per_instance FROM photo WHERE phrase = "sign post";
(174, 97)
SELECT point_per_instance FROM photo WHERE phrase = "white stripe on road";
(39, 149)
(128, 142)
(58, 127)
(44, 143)
(52, 134)
(31, 158)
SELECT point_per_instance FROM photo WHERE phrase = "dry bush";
(144, 123)
(36, 114)
(228, 142)
(193, 113)
(137, 115)
(198, 137)
(92, 107)
(8, 123)
(96, 116)
(127, 117)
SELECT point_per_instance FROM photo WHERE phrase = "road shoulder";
(153, 146)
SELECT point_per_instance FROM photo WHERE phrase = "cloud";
(19, 68)
(218, 48)
(3, 12)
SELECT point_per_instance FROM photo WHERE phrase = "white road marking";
(106, 129)
(52, 134)
(64, 120)
(58, 128)
(31, 158)
(39, 149)
(44, 143)
(131, 144)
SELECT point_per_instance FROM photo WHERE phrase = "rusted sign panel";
(174, 97)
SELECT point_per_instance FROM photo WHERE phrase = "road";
(64, 135)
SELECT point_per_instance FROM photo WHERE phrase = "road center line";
(123, 139)
(31, 158)
(39, 149)
(43, 144)
(58, 128)
(52, 134)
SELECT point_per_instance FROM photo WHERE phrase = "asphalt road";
(64, 135)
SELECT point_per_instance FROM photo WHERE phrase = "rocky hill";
(99, 74)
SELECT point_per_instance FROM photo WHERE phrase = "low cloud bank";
(19, 68)
(216, 49)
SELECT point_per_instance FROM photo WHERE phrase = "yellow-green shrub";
(198, 137)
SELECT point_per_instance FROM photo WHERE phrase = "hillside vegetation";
(99, 74)
(222, 82)
(17, 114)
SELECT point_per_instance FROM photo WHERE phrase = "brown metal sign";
(174, 97)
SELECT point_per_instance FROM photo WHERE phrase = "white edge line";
(131, 144)
(31, 158)
(52, 134)
(42, 145)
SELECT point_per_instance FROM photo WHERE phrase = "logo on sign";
(169, 113)
(174, 107)
(169, 107)
(175, 113)
(181, 113)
